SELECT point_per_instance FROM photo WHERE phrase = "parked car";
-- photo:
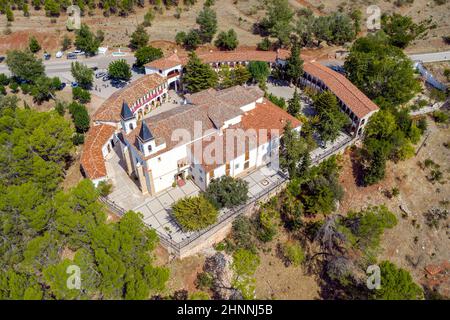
(99, 75)
(74, 84)
(71, 56)
(59, 54)
(78, 52)
(2, 59)
(62, 86)
(106, 78)
(47, 56)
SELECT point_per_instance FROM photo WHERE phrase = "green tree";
(227, 192)
(227, 40)
(81, 95)
(265, 44)
(52, 8)
(25, 65)
(397, 284)
(244, 266)
(259, 71)
(294, 104)
(34, 45)
(83, 75)
(86, 40)
(278, 20)
(119, 69)
(401, 29)
(139, 38)
(44, 88)
(240, 75)
(149, 17)
(331, 119)
(207, 21)
(195, 213)
(294, 65)
(294, 153)
(66, 43)
(383, 72)
(199, 76)
(147, 54)
(80, 117)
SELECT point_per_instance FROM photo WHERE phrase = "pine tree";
(294, 104)
(199, 76)
(294, 65)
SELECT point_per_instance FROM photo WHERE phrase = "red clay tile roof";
(265, 115)
(92, 157)
(165, 62)
(110, 109)
(346, 91)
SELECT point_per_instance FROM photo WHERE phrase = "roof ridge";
(338, 76)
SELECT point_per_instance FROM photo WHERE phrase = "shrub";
(4, 80)
(242, 233)
(440, 116)
(281, 102)
(78, 138)
(267, 224)
(227, 192)
(195, 213)
(104, 188)
(81, 95)
(293, 253)
(80, 117)
(204, 281)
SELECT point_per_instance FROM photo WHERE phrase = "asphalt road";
(55, 67)
(431, 57)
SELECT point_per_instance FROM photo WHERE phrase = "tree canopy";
(331, 119)
(24, 65)
(139, 38)
(86, 41)
(199, 76)
(227, 40)
(382, 71)
(120, 70)
(39, 221)
(83, 75)
(207, 21)
(147, 54)
(227, 192)
(195, 213)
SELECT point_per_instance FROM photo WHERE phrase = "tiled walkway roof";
(92, 157)
(165, 62)
(110, 109)
(346, 91)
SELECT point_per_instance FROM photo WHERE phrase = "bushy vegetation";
(194, 213)
(147, 54)
(373, 58)
(227, 40)
(199, 76)
(227, 192)
(119, 70)
(40, 221)
(389, 135)
(281, 23)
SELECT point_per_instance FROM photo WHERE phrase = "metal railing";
(348, 140)
(224, 217)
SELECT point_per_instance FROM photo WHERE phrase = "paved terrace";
(157, 209)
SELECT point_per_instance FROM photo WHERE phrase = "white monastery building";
(162, 150)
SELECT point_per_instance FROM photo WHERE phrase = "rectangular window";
(227, 169)
(247, 156)
(246, 165)
(211, 174)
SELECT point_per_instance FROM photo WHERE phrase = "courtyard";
(156, 210)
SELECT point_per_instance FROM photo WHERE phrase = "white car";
(59, 54)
